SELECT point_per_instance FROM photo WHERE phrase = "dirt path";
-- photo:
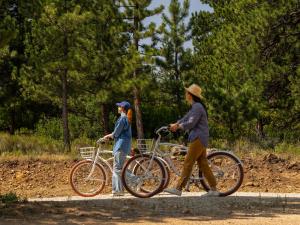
(160, 210)
(285, 219)
(48, 178)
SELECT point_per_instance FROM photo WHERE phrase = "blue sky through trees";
(195, 6)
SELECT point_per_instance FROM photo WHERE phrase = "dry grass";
(36, 147)
(45, 156)
(31, 147)
(244, 147)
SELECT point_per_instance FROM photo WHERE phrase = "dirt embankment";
(47, 178)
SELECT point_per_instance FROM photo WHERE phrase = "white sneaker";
(211, 193)
(173, 191)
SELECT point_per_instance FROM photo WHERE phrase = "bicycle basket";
(145, 145)
(87, 152)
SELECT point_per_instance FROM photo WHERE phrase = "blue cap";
(126, 105)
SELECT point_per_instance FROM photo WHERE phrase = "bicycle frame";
(152, 157)
(165, 157)
(154, 152)
(96, 158)
(103, 161)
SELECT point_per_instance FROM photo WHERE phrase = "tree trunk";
(12, 125)
(105, 118)
(260, 128)
(232, 134)
(138, 114)
(66, 131)
(177, 88)
(136, 94)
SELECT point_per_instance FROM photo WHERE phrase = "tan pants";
(196, 152)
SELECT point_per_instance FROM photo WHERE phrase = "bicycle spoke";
(227, 171)
(149, 174)
(94, 179)
(88, 180)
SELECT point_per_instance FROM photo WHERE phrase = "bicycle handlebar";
(164, 128)
(102, 141)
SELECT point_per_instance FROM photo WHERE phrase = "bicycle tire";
(237, 185)
(72, 178)
(167, 172)
(143, 194)
(168, 175)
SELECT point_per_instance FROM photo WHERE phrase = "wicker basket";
(145, 145)
(87, 152)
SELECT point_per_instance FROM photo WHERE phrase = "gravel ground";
(165, 209)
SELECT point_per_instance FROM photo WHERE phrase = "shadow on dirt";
(133, 210)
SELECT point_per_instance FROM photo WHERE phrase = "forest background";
(65, 63)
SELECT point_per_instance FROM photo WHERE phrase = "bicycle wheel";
(84, 181)
(143, 163)
(227, 170)
(168, 175)
(147, 180)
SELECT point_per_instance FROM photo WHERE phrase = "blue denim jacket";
(195, 121)
(122, 135)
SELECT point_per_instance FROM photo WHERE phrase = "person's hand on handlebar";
(108, 136)
(105, 138)
(100, 140)
(174, 127)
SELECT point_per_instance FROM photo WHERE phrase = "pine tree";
(105, 62)
(139, 54)
(15, 17)
(226, 48)
(175, 33)
(244, 80)
(57, 57)
(7, 25)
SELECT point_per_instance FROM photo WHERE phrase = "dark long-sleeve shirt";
(195, 121)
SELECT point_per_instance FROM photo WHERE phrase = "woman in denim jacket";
(122, 136)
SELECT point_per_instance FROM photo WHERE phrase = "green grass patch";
(10, 198)
(31, 146)
(286, 147)
(255, 148)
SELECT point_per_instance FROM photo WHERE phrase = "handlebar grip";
(100, 141)
(164, 128)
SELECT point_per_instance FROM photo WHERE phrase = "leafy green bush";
(285, 147)
(33, 145)
(248, 145)
(51, 127)
(25, 144)
(82, 127)
(78, 126)
(9, 198)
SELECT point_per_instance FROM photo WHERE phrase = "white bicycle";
(226, 167)
(88, 177)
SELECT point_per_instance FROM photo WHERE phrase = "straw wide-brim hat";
(194, 89)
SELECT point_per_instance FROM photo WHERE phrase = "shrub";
(285, 147)
(9, 198)
(25, 144)
(78, 126)
(51, 127)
